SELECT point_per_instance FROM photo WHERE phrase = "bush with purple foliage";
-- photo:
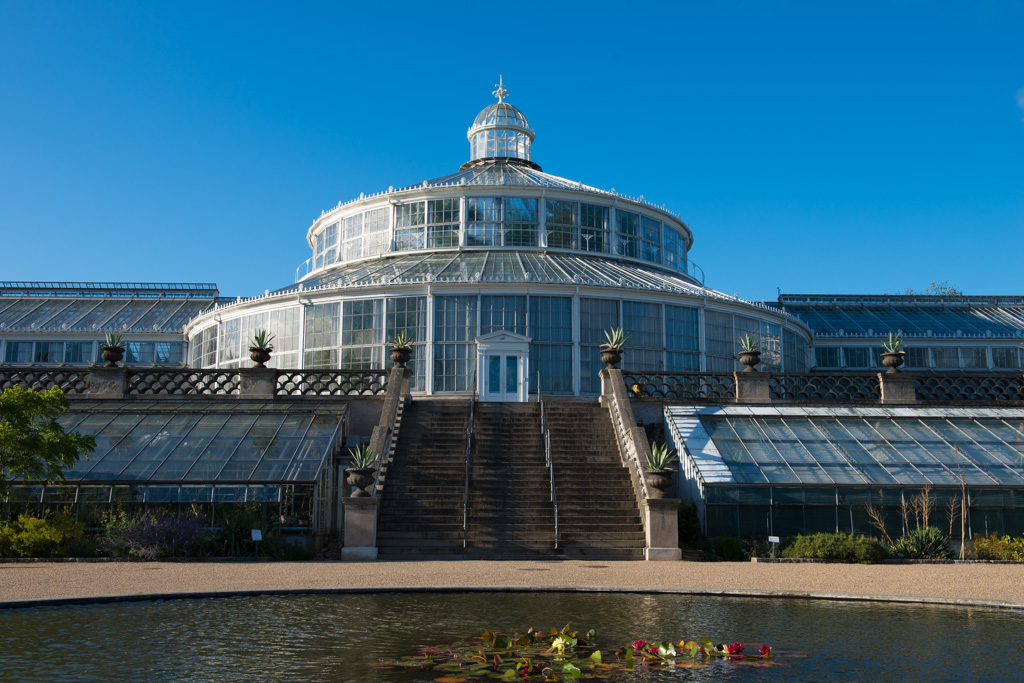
(154, 537)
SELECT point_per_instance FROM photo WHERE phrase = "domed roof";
(501, 114)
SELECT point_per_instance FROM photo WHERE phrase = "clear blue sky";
(812, 147)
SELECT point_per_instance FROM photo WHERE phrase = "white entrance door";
(503, 364)
(504, 376)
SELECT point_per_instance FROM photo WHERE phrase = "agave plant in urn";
(893, 352)
(360, 475)
(260, 348)
(659, 471)
(750, 352)
(113, 349)
(401, 349)
(613, 346)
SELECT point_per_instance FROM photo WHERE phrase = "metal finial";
(501, 92)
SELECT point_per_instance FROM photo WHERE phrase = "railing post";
(360, 529)
(897, 388)
(257, 383)
(753, 387)
(108, 382)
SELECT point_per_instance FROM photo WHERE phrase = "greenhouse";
(766, 470)
(193, 455)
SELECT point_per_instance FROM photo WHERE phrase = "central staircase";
(510, 513)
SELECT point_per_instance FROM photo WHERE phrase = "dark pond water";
(336, 637)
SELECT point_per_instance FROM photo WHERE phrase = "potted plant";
(659, 474)
(612, 347)
(260, 348)
(401, 349)
(892, 352)
(113, 351)
(360, 475)
(750, 352)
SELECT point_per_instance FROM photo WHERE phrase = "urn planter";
(893, 361)
(112, 354)
(360, 478)
(400, 356)
(259, 356)
(658, 481)
(611, 358)
(750, 359)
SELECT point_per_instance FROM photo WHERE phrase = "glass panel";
(214, 458)
(191, 447)
(512, 375)
(493, 374)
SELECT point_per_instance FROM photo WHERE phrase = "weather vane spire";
(501, 92)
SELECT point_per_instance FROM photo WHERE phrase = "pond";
(338, 637)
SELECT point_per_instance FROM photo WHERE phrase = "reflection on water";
(332, 638)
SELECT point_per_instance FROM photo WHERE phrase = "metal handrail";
(465, 495)
(546, 433)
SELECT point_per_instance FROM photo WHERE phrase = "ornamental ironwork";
(970, 388)
(694, 386)
(815, 387)
(69, 381)
(332, 382)
(184, 382)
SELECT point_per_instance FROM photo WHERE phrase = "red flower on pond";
(765, 650)
(639, 644)
(734, 648)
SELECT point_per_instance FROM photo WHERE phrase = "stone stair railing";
(361, 512)
(659, 515)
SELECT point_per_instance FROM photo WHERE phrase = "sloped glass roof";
(89, 314)
(913, 315)
(203, 442)
(505, 267)
(500, 173)
(852, 445)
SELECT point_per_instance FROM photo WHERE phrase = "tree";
(33, 445)
(934, 289)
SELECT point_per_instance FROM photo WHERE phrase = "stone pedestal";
(360, 529)
(752, 387)
(662, 527)
(897, 388)
(108, 382)
(257, 383)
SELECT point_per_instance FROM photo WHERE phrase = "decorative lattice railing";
(970, 388)
(70, 381)
(332, 382)
(694, 386)
(811, 387)
(184, 382)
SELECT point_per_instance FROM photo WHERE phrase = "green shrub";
(34, 537)
(840, 547)
(727, 549)
(994, 547)
(928, 543)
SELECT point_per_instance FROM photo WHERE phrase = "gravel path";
(981, 584)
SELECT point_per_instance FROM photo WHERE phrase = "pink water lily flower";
(734, 648)
(653, 650)
(765, 650)
(639, 644)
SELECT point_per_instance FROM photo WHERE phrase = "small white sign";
(773, 539)
(257, 535)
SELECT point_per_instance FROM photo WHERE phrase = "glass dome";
(500, 131)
